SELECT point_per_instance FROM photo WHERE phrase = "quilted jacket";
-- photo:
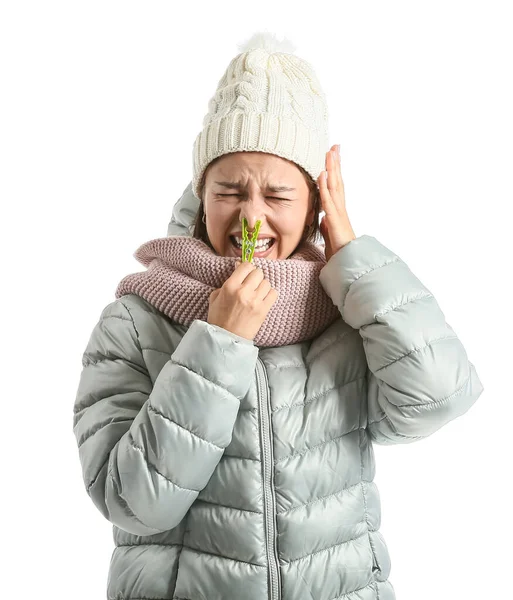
(233, 472)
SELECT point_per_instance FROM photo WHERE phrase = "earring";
(203, 218)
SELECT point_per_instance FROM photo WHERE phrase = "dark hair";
(311, 234)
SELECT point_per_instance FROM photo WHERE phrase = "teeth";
(264, 242)
(259, 247)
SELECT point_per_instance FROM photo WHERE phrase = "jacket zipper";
(264, 410)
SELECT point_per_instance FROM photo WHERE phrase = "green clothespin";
(248, 243)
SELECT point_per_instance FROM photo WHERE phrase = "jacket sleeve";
(419, 377)
(146, 450)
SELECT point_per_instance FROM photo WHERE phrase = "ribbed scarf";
(182, 272)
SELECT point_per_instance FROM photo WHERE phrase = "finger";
(271, 297)
(334, 174)
(245, 275)
(263, 288)
(326, 200)
(324, 230)
(254, 279)
(326, 236)
(243, 263)
(241, 271)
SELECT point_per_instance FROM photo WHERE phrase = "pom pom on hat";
(267, 41)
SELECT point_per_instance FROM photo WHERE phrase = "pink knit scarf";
(183, 271)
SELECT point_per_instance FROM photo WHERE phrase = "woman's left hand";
(335, 226)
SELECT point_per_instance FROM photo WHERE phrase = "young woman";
(227, 408)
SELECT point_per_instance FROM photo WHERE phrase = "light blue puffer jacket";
(231, 472)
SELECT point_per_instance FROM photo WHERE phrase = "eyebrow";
(271, 188)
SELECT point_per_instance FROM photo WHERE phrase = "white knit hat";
(268, 100)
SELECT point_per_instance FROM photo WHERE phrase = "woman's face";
(243, 184)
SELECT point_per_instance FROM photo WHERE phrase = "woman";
(226, 410)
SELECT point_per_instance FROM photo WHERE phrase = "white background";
(100, 104)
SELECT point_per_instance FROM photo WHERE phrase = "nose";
(251, 219)
(253, 209)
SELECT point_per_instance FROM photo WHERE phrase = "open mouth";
(260, 251)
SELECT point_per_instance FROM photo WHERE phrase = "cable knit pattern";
(183, 271)
(268, 100)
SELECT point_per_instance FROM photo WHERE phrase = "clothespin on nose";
(249, 240)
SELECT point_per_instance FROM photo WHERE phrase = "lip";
(238, 253)
(262, 236)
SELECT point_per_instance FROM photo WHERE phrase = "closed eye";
(272, 197)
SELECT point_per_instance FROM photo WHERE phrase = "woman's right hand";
(241, 305)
